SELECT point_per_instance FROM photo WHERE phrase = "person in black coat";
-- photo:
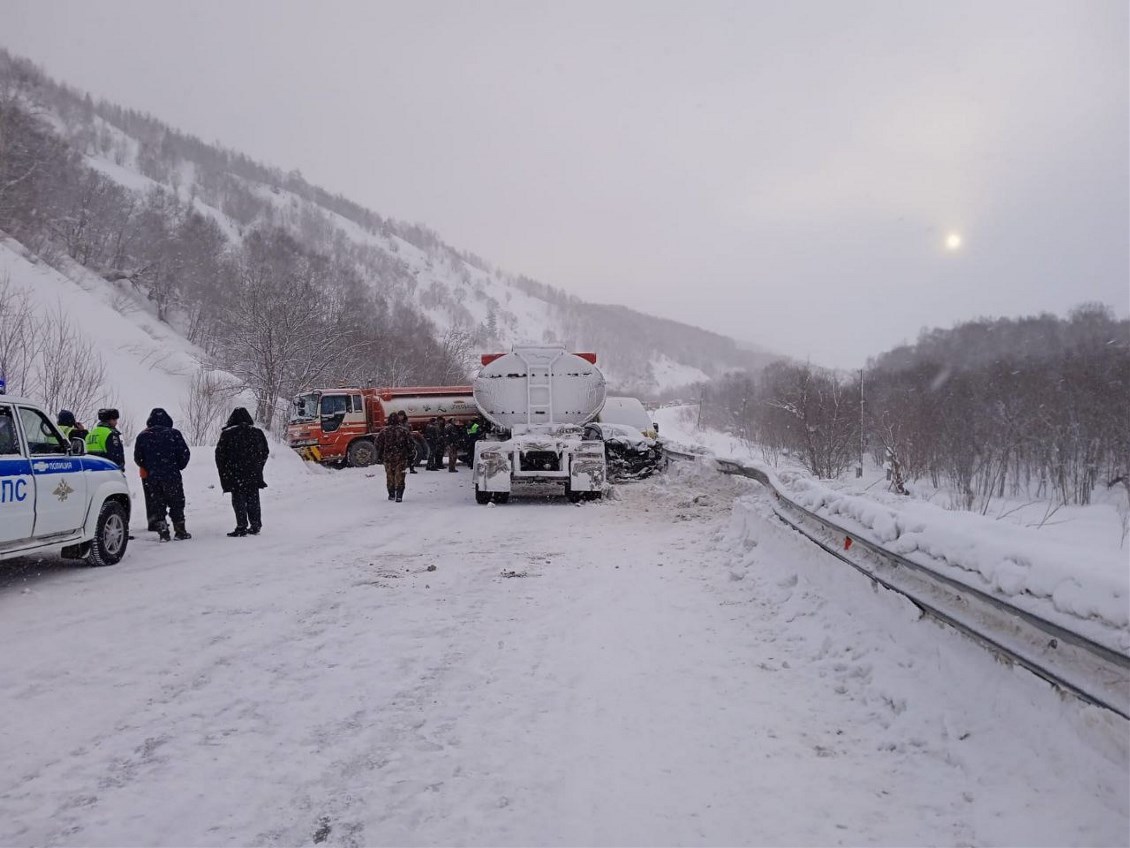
(453, 439)
(162, 454)
(241, 454)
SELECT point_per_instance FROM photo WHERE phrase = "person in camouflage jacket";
(397, 448)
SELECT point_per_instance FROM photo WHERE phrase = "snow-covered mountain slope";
(405, 263)
(147, 363)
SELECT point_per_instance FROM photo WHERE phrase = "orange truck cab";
(340, 426)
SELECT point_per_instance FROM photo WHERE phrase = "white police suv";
(53, 497)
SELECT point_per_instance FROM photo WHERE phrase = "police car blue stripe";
(14, 467)
(18, 466)
(97, 463)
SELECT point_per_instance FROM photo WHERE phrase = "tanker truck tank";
(542, 396)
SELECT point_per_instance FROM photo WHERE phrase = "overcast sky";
(784, 173)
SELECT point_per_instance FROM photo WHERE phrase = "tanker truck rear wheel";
(362, 453)
(481, 497)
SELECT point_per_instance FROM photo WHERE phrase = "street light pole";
(859, 468)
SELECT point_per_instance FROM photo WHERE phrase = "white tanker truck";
(540, 397)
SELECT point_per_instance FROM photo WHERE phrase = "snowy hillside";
(147, 363)
(406, 265)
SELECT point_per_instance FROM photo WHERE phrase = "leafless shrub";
(69, 372)
(19, 344)
(123, 303)
(209, 396)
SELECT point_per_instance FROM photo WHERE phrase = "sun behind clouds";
(953, 241)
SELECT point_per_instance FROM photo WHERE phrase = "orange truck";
(340, 426)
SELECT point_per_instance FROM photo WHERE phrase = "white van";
(628, 411)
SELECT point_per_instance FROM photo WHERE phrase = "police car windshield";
(305, 407)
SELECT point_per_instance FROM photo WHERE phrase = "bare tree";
(69, 372)
(19, 343)
(282, 333)
(821, 413)
(209, 396)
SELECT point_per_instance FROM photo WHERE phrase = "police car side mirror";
(77, 447)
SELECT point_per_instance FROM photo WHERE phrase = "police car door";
(17, 491)
(60, 485)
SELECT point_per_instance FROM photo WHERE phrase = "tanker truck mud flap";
(492, 467)
(587, 469)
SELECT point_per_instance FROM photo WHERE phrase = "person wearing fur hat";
(105, 440)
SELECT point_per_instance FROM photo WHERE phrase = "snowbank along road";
(669, 666)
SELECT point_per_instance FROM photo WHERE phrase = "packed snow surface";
(1068, 574)
(668, 666)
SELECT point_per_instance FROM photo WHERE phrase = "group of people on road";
(441, 435)
(161, 454)
(396, 447)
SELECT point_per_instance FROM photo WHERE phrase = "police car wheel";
(111, 535)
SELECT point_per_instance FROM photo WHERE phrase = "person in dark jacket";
(474, 433)
(432, 437)
(453, 437)
(241, 454)
(162, 454)
(105, 440)
(412, 459)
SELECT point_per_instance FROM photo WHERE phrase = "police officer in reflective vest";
(105, 440)
(71, 429)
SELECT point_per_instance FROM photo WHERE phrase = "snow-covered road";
(659, 668)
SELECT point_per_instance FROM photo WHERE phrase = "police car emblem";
(62, 491)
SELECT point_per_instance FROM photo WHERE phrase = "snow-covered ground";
(1072, 571)
(147, 363)
(668, 666)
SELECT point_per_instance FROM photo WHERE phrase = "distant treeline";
(1032, 407)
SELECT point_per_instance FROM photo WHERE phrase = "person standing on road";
(414, 437)
(474, 433)
(441, 432)
(430, 436)
(71, 429)
(105, 440)
(241, 454)
(162, 454)
(398, 449)
(453, 436)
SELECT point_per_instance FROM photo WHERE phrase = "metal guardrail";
(1086, 669)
